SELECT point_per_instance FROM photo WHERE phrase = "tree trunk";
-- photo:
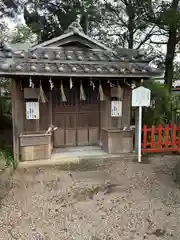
(171, 46)
(131, 34)
(131, 16)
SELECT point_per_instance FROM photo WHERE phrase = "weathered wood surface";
(78, 121)
(33, 140)
(117, 141)
(17, 115)
(35, 146)
(31, 93)
(39, 152)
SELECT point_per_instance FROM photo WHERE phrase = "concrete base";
(75, 156)
(77, 152)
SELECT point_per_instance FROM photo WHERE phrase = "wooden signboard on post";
(141, 97)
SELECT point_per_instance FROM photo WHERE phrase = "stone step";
(65, 163)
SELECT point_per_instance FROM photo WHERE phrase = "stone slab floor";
(119, 200)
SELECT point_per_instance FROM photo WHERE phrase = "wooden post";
(126, 107)
(17, 116)
(160, 138)
(50, 108)
(51, 116)
(167, 128)
(144, 130)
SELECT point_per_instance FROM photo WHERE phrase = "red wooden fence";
(161, 139)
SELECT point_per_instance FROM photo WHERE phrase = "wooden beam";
(104, 76)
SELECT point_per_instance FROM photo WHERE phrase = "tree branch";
(115, 10)
(147, 37)
(154, 42)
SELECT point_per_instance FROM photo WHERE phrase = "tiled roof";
(68, 61)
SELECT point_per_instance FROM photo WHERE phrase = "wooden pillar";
(17, 116)
(51, 117)
(126, 108)
(105, 110)
(50, 108)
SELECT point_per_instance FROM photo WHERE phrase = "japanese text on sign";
(116, 109)
(32, 110)
(141, 97)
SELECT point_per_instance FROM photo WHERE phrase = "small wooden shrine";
(75, 85)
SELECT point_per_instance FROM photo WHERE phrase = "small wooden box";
(117, 141)
(35, 146)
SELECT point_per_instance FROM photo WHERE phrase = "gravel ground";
(121, 200)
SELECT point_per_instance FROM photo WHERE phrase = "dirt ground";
(120, 200)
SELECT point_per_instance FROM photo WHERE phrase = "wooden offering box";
(117, 141)
(35, 146)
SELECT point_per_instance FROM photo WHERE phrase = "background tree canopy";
(49, 18)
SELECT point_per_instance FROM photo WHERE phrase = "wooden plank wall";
(20, 123)
(109, 122)
(47, 111)
(45, 116)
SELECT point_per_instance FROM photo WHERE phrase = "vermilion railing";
(161, 139)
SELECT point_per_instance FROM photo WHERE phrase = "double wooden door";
(78, 121)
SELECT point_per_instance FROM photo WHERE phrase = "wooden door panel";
(78, 119)
(59, 138)
(82, 137)
(93, 136)
(70, 139)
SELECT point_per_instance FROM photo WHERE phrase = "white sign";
(116, 108)
(141, 97)
(32, 110)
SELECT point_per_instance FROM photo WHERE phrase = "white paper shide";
(32, 110)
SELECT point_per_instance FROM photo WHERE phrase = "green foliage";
(5, 113)
(165, 106)
(117, 23)
(6, 155)
(50, 18)
(6, 106)
(166, 16)
(176, 75)
(175, 102)
(160, 112)
(23, 34)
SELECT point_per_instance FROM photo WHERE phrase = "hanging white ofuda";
(32, 110)
(116, 108)
(82, 93)
(63, 96)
